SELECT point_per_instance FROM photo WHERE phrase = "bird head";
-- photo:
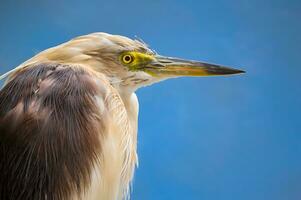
(128, 64)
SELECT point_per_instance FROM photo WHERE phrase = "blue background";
(217, 138)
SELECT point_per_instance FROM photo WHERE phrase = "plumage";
(68, 118)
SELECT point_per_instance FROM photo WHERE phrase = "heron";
(69, 117)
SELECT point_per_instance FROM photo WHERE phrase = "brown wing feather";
(50, 127)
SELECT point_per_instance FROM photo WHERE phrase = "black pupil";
(127, 58)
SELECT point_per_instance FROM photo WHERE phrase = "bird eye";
(127, 59)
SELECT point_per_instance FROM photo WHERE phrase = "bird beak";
(173, 67)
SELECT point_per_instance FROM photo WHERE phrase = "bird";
(69, 117)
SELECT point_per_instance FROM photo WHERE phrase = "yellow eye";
(127, 59)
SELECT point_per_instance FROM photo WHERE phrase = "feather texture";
(57, 137)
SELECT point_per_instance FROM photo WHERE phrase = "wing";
(50, 130)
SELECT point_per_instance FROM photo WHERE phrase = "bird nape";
(68, 117)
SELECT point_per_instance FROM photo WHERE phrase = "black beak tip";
(234, 72)
(238, 71)
(224, 71)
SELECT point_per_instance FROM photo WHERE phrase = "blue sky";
(217, 138)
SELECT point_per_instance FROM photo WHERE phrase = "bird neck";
(131, 82)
